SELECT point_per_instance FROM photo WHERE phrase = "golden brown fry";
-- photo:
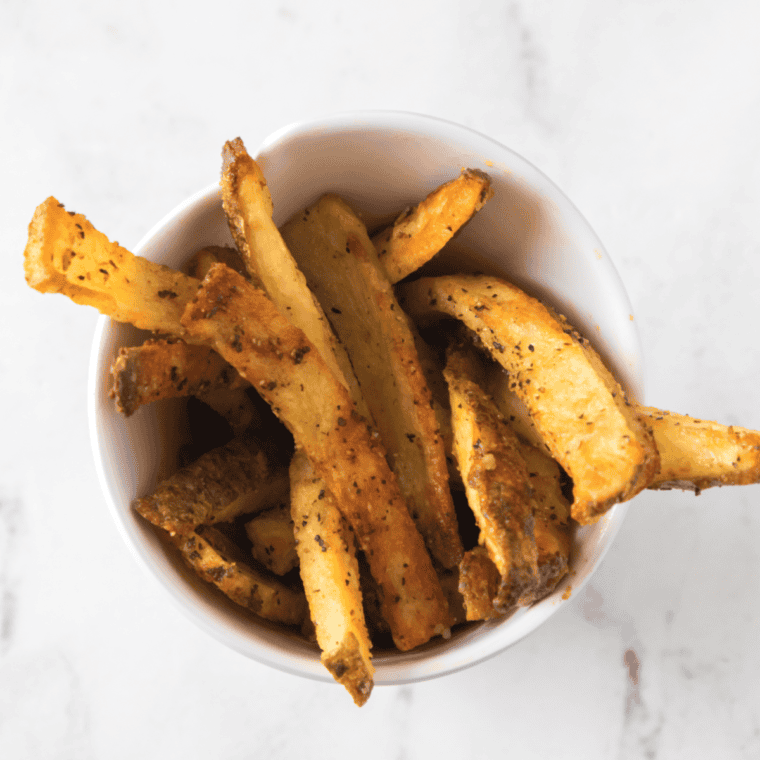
(419, 233)
(479, 582)
(248, 206)
(551, 518)
(379, 340)
(697, 454)
(217, 561)
(273, 542)
(330, 574)
(496, 481)
(579, 409)
(279, 360)
(162, 369)
(66, 254)
(228, 481)
(551, 510)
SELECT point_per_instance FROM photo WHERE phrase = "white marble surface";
(646, 115)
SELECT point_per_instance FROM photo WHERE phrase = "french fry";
(248, 207)
(66, 254)
(578, 407)
(496, 481)
(226, 482)
(273, 540)
(279, 360)
(697, 454)
(217, 560)
(330, 573)
(479, 582)
(419, 233)
(162, 369)
(379, 339)
(551, 518)
(551, 510)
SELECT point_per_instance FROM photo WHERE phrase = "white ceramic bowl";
(381, 162)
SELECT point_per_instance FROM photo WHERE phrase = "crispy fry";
(248, 206)
(162, 369)
(330, 574)
(697, 454)
(279, 360)
(380, 343)
(273, 542)
(419, 233)
(232, 480)
(551, 518)
(479, 582)
(66, 254)
(496, 481)
(217, 561)
(576, 404)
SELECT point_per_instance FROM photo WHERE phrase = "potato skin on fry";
(331, 245)
(579, 409)
(496, 482)
(66, 254)
(330, 573)
(273, 541)
(697, 454)
(217, 561)
(225, 482)
(162, 369)
(479, 582)
(282, 364)
(419, 233)
(248, 208)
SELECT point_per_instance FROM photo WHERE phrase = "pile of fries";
(444, 434)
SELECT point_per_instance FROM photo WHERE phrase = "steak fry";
(248, 207)
(697, 454)
(283, 365)
(162, 369)
(551, 518)
(273, 543)
(217, 561)
(419, 233)
(331, 245)
(66, 254)
(226, 482)
(330, 574)
(496, 481)
(579, 409)
(479, 582)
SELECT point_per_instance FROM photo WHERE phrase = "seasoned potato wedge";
(419, 233)
(551, 518)
(331, 245)
(283, 365)
(479, 582)
(579, 409)
(697, 454)
(273, 542)
(226, 482)
(217, 561)
(330, 573)
(496, 481)
(66, 254)
(162, 369)
(248, 206)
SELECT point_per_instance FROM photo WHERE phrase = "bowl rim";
(402, 667)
